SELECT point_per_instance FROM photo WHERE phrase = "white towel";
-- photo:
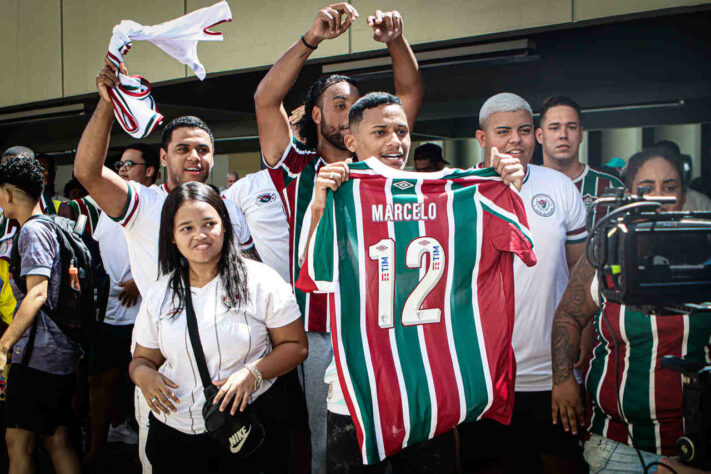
(177, 37)
(133, 105)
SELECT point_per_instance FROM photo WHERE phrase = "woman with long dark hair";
(250, 331)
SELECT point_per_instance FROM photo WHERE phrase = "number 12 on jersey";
(412, 313)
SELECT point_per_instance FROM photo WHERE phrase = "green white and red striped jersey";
(592, 183)
(649, 394)
(86, 206)
(294, 178)
(420, 265)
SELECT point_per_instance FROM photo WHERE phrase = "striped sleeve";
(130, 209)
(319, 274)
(576, 230)
(292, 162)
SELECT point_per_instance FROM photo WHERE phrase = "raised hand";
(387, 26)
(331, 22)
(108, 78)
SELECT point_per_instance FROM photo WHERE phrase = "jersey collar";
(582, 175)
(388, 172)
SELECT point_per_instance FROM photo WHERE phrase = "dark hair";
(148, 153)
(25, 174)
(52, 167)
(370, 101)
(637, 160)
(188, 121)
(306, 125)
(19, 151)
(74, 184)
(429, 151)
(668, 145)
(556, 101)
(230, 267)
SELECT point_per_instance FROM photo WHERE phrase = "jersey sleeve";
(291, 164)
(510, 232)
(319, 273)
(137, 197)
(575, 223)
(239, 226)
(275, 299)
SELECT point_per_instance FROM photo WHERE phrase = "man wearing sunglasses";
(139, 163)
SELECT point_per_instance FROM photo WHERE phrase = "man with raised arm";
(187, 147)
(294, 166)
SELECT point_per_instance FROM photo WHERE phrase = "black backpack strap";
(27, 353)
(195, 335)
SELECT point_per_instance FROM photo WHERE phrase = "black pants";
(343, 456)
(488, 446)
(171, 451)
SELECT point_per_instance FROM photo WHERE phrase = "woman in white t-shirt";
(250, 330)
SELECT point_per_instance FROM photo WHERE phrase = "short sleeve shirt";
(256, 196)
(53, 351)
(114, 256)
(556, 217)
(231, 337)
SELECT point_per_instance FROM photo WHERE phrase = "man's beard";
(333, 136)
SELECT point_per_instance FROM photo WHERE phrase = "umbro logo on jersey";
(424, 242)
(265, 198)
(237, 440)
(543, 205)
(403, 185)
(382, 248)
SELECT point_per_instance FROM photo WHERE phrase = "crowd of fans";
(266, 343)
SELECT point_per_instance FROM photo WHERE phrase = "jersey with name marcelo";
(420, 265)
(650, 395)
(141, 223)
(592, 183)
(294, 178)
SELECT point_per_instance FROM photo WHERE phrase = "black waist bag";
(240, 434)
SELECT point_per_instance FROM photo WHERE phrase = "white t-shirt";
(556, 217)
(256, 196)
(114, 255)
(141, 224)
(230, 337)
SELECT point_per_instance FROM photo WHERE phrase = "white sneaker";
(122, 433)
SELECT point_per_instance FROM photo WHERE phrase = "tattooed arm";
(573, 313)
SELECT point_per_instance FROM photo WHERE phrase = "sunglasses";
(128, 164)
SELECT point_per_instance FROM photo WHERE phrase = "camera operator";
(625, 370)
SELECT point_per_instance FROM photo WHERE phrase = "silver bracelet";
(257, 375)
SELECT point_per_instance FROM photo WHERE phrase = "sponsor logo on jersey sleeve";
(543, 205)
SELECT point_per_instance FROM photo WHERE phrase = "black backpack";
(78, 313)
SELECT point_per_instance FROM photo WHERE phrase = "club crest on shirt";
(227, 302)
(543, 205)
(265, 198)
(588, 199)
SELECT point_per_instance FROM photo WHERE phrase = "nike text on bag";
(81, 298)
(242, 433)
